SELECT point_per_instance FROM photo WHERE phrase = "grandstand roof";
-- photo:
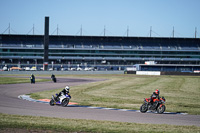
(97, 37)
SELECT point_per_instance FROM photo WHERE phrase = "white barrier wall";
(147, 72)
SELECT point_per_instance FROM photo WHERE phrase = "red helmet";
(157, 91)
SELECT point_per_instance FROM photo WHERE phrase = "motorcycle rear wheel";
(161, 109)
(51, 102)
(143, 108)
(65, 102)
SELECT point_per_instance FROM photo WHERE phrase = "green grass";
(118, 91)
(42, 124)
(128, 91)
(16, 80)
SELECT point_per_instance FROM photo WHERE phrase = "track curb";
(28, 98)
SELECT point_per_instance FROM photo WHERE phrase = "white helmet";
(67, 88)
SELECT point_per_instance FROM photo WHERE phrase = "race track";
(11, 104)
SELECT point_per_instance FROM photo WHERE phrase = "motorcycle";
(63, 100)
(32, 81)
(157, 105)
(54, 79)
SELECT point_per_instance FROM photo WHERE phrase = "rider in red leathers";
(155, 95)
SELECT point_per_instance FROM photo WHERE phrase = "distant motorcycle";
(63, 100)
(54, 79)
(32, 78)
(157, 105)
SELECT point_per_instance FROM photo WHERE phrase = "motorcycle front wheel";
(161, 109)
(65, 102)
(51, 102)
(143, 108)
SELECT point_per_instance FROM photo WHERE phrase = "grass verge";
(16, 80)
(44, 124)
(128, 91)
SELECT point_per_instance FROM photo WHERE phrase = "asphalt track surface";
(11, 104)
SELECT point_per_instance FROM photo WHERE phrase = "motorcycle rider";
(63, 92)
(32, 78)
(155, 95)
(53, 77)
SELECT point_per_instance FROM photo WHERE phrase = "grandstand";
(98, 51)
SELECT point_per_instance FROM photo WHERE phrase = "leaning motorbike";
(63, 100)
(54, 79)
(157, 105)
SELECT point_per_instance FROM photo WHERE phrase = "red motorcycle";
(156, 105)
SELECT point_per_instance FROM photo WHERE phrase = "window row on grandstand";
(102, 58)
(101, 52)
(103, 46)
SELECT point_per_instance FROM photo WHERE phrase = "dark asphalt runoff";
(11, 104)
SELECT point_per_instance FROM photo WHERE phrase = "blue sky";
(93, 15)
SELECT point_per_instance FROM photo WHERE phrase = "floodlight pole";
(127, 30)
(150, 30)
(57, 29)
(81, 31)
(33, 29)
(9, 29)
(195, 32)
(104, 30)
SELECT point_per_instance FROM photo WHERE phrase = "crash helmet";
(67, 88)
(157, 92)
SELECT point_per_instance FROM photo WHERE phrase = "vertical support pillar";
(46, 44)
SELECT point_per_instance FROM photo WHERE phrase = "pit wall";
(161, 73)
(148, 73)
(180, 73)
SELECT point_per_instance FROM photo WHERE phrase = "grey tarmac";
(11, 104)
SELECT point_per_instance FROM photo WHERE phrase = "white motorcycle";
(63, 100)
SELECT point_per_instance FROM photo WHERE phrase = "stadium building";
(101, 52)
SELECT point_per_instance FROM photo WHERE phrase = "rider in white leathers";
(63, 92)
